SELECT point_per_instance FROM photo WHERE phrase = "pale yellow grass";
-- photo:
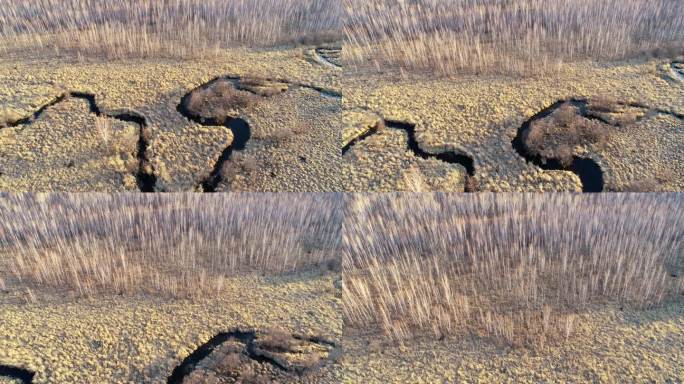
(178, 245)
(506, 36)
(517, 268)
(178, 28)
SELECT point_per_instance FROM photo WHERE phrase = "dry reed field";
(519, 269)
(177, 245)
(173, 28)
(506, 36)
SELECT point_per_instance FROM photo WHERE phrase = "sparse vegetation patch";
(217, 102)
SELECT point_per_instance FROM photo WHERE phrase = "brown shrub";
(564, 155)
(556, 136)
(202, 377)
(566, 115)
(231, 362)
(219, 101)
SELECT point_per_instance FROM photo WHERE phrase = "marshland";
(66, 64)
(147, 281)
(469, 76)
(475, 287)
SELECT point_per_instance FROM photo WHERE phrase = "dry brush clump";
(178, 28)
(509, 36)
(218, 101)
(515, 268)
(178, 245)
(556, 136)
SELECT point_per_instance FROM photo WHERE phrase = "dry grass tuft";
(177, 245)
(519, 36)
(104, 129)
(179, 29)
(515, 268)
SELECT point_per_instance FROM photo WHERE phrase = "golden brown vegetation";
(519, 36)
(141, 28)
(178, 245)
(516, 268)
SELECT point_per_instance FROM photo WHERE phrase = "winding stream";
(588, 170)
(451, 157)
(146, 181)
(241, 130)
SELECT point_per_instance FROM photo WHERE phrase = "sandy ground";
(480, 115)
(141, 339)
(62, 150)
(610, 346)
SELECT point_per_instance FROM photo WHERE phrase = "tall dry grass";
(515, 268)
(173, 28)
(179, 245)
(508, 36)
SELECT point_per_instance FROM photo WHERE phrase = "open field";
(112, 288)
(449, 282)
(91, 96)
(443, 96)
